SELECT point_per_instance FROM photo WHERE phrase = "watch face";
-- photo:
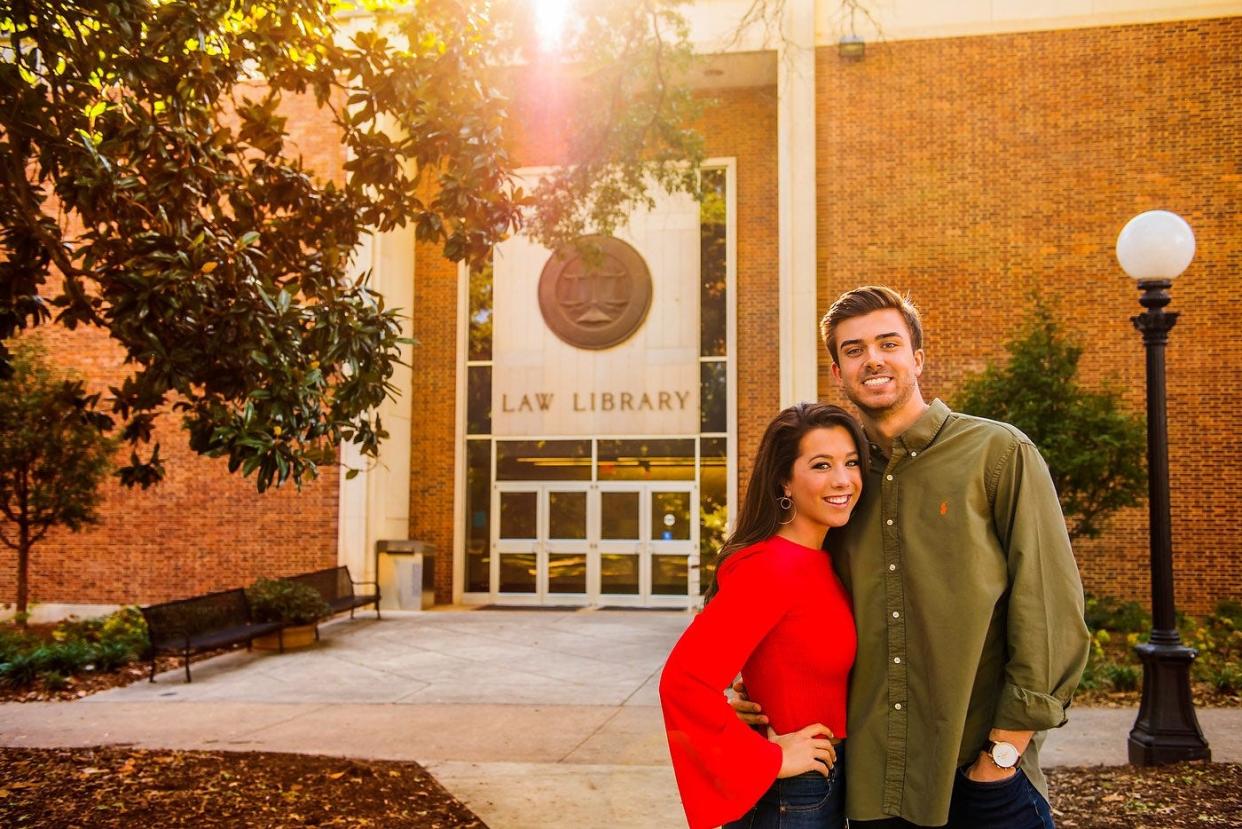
(1005, 755)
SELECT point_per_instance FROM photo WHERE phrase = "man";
(967, 598)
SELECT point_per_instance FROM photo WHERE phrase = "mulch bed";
(108, 787)
(1168, 797)
(1203, 694)
(92, 682)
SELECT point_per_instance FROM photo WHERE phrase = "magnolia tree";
(54, 452)
(147, 188)
(1094, 446)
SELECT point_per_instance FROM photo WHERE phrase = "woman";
(777, 612)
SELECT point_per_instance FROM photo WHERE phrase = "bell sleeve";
(722, 765)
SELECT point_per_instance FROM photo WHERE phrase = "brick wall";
(433, 418)
(973, 171)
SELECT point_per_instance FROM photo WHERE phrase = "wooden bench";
(202, 623)
(337, 588)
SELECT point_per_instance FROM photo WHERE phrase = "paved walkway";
(533, 718)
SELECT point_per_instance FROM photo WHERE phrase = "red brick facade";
(200, 530)
(972, 171)
(968, 171)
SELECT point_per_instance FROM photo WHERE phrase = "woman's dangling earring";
(786, 503)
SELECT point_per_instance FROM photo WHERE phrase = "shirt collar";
(919, 436)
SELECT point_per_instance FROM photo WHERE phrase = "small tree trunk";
(23, 570)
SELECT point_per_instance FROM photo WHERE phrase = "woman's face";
(825, 480)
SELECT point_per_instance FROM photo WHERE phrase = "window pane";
(619, 518)
(479, 400)
(619, 574)
(478, 514)
(713, 505)
(670, 575)
(567, 515)
(517, 573)
(713, 264)
(518, 514)
(670, 516)
(567, 573)
(543, 460)
(713, 377)
(646, 460)
(480, 336)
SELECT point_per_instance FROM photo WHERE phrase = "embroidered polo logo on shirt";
(944, 507)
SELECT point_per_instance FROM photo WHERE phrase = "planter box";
(294, 636)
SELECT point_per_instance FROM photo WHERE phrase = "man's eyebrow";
(889, 336)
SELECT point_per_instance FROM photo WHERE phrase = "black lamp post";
(1154, 248)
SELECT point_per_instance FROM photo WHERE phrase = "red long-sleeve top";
(783, 618)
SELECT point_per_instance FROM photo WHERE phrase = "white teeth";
(876, 381)
(838, 499)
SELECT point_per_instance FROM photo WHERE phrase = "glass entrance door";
(541, 543)
(614, 544)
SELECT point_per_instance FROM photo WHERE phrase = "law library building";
(575, 430)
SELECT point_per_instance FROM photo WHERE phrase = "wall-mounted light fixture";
(851, 47)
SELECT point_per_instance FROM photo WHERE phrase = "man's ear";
(918, 362)
(836, 372)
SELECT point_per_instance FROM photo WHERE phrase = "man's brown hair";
(865, 300)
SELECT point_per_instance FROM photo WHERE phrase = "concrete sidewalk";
(534, 719)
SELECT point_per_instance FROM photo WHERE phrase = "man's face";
(877, 366)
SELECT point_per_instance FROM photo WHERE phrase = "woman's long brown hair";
(760, 515)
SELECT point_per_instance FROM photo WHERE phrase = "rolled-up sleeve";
(1047, 639)
(722, 766)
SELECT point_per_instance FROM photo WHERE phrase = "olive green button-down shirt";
(969, 610)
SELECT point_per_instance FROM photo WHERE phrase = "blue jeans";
(808, 801)
(1004, 804)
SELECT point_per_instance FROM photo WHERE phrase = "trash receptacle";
(406, 574)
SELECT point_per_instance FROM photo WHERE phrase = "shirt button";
(897, 705)
(892, 566)
(896, 660)
(889, 522)
(896, 615)
(889, 477)
(914, 454)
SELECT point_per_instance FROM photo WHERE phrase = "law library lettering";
(574, 427)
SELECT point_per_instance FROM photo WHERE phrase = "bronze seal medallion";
(595, 292)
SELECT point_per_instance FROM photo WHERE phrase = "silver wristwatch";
(1004, 755)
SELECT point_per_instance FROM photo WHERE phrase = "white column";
(375, 504)
(799, 308)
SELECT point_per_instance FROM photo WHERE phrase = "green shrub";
(54, 681)
(126, 627)
(1107, 613)
(75, 646)
(19, 670)
(1225, 678)
(281, 600)
(1121, 677)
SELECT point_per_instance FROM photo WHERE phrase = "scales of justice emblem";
(595, 292)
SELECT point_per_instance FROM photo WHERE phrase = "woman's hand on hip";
(808, 749)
